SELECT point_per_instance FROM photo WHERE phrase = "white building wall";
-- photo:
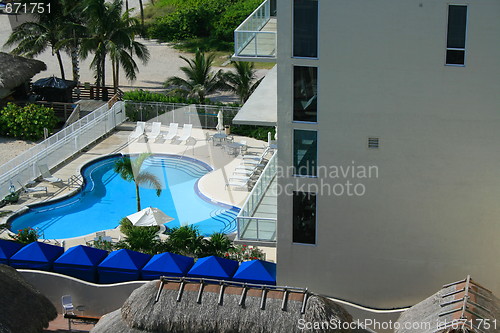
(433, 215)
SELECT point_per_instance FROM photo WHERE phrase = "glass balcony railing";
(251, 227)
(256, 36)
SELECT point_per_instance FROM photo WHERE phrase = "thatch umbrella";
(15, 70)
(213, 311)
(452, 310)
(22, 308)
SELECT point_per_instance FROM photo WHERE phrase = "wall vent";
(373, 143)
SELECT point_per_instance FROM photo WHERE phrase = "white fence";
(200, 116)
(60, 146)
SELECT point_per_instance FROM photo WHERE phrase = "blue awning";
(214, 268)
(36, 255)
(122, 265)
(168, 264)
(80, 262)
(7, 250)
(256, 271)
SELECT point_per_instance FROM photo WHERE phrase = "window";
(305, 93)
(305, 155)
(304, 218)
(305, 28)
(457, 27)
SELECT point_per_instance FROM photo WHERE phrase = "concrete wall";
(431, 216)
(96, 299)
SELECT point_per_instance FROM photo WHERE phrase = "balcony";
(255, 38)
(257, 219)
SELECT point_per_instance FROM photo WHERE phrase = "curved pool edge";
(80, 187)
(63, 197)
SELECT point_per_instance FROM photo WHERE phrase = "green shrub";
(140, 239)
(232, 17)
(243, 253)
(213, 19)
(25, 236)
(11, 198)
(26, 122)
(256, 132)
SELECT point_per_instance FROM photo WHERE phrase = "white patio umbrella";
(149, 217)
(220, 121)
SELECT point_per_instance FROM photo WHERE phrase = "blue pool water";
(106, 198)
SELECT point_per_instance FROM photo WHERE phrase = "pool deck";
(212, 185)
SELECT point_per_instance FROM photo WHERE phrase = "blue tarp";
(7, 250)
(122, 265)
(36, 255)
(214, 268)
(256, 271)
(168, 264)
(80, 262)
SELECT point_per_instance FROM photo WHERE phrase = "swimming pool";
(106, 198)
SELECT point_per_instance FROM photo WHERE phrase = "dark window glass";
(305, 93)
(305, 152)
(455, 57)
(305, 28)
(457, 27)
(304, 218)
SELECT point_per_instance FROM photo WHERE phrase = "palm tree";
(33, 38)
(114, 34)
(130, 170)
(201, 80)
(242, 81)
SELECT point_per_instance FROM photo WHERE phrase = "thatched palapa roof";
(462, 306)
(22, 308)
(15, 70)
(193, 307)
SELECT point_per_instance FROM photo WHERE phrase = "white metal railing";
(245, 216)
(263, 42)
(200, 116)
(60, 146)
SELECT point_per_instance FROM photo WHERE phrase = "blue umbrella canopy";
(168, 264)
(7, 250)
(214, 267)
(256, 271)
(122, 265)
(80, 262)
(36, 255)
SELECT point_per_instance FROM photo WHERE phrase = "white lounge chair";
(186, 132)
(172, 131)
(47, 176)
(138, 131)
(257, 157)
(34, 189)
(242, 183)
(155, 131)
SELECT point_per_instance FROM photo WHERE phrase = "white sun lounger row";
(244, 173)
(155, 132)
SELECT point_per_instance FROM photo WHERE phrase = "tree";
(130, 170)
(201, 80)
(140, 239)
(33, 38)
(242, 82)
(111, 33)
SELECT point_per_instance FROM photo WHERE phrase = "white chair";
(257, 157)
(186, 132)
(138, 131)
(67, 304)
(155, 131)
(172, 131)
(244, 147)
(28, 190)
(47, 176)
